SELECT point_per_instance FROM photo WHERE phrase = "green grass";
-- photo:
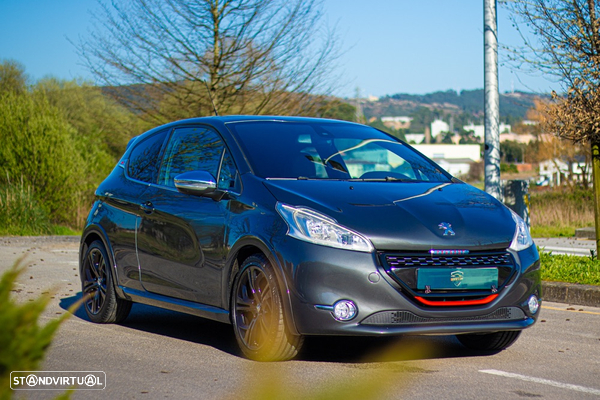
(549, 231)
(21, 215)
(570, 269)
(558, 212)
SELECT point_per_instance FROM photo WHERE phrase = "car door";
(119, 213)
(181, 236)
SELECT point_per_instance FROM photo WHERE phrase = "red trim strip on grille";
(485, 300)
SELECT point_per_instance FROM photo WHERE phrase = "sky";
(389, 46)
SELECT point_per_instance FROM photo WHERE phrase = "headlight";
(314, 227)
(522, 238)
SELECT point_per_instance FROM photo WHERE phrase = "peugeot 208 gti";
(285, 227)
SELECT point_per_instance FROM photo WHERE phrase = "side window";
(144, 158)
(191, 149)
(228, 179)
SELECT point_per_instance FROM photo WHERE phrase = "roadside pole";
(491, 100)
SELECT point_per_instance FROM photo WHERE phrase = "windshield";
(330, 150)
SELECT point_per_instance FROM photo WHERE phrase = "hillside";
(462, 107)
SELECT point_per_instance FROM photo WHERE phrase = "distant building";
(414, 138)
(479, 130)
(397, 122)
(524, 138)
(456, 159)
(556, 171)
(438, 126)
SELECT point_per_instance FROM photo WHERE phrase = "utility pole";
(491, 99)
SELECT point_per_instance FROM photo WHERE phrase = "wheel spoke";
(252, 333)
(252, 276)
(92, 266)
(89, 286)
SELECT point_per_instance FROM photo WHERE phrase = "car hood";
(406, 216)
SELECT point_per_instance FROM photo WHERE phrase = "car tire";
(100, 299)
(258, 316)
(489, 341)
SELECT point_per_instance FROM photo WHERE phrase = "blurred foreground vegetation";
(23, 341)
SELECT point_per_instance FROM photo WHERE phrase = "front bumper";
(318, 276)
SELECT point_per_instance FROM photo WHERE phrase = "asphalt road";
(158, 354)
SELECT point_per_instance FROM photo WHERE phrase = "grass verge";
(570, 269)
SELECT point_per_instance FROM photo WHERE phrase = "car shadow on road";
(337, 349)
(384, 349)
(172, 324)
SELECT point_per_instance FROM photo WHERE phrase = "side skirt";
(171, 303)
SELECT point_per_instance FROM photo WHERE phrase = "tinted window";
(228, 179)
(191, 149)
(144, 158)
(330, 151)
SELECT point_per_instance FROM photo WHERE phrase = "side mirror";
(199, 183)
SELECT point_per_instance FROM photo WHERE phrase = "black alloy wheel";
(101, 302)
(258, 315)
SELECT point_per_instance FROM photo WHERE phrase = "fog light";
(533, 304)
(344, 310)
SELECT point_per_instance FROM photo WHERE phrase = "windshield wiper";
(327, 163)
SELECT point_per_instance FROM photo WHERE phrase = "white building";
(456, 159)
(479, 130)
(554, 172)
(416, 138)
(438, 126)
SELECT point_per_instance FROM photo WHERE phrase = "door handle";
(147, 207)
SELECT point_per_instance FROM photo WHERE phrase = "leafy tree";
(336, 109)
(37, 147)
(511, 151)
(377, 124)
(248, 56)
(568, 32)
(59, 140)
(12, 77)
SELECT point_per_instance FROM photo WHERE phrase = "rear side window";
(144, 158)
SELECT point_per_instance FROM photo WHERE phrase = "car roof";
(247, 118)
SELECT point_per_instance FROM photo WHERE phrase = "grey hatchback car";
(285, 227)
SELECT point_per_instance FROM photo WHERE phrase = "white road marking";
(542, 381)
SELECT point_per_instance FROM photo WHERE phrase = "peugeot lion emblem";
(447, 229)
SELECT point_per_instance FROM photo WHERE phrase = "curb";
(571, 293)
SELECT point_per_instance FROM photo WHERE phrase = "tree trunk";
(596, 179)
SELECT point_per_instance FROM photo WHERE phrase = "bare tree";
(168, 58)
(568, 46)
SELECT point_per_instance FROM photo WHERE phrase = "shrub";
(23, 341)
(20, 213)
(37, 148)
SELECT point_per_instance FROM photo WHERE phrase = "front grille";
(409, 318)
(402, 267)
(426, 260)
